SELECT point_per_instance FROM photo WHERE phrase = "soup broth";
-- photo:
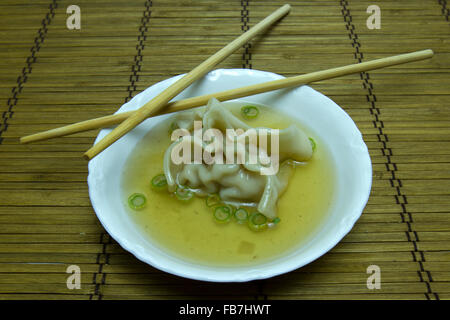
(188, 230)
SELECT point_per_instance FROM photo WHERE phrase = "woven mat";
(52, 76)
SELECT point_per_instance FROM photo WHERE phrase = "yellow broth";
(188, 230)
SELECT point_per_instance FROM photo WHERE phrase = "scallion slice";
(222, 214)
(213, 200)
(257, 221)
(184, 194)
(313, 143)
(137, 201)
(241, 215)
(274, 222)
(249, 112)
(159, 182)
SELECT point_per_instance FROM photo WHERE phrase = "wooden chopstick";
(110, 120)
(157, 103)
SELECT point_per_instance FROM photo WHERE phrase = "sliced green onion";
(274, 222)
(257, 221)
(213, 200)
(313, 143)
(184, 194)
(232, 208)
(222, 214)
(241, 215)
(250, 112)
(137, 201)
(159, 182)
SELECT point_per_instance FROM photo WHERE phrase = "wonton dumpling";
(185, 119)
(274, 188)
(294, 144)
(244, 186)
(207, 178)
(235, 182)
(218, 117)
(171, 169)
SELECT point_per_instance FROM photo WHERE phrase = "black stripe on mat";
(245, 20)
(391, 166)
(99, 277)
(136, 68)
(27, 69)
(445, 10)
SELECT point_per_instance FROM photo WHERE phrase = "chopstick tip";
(86, 156)
(287, 6)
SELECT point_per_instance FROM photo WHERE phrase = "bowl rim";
(249, 276)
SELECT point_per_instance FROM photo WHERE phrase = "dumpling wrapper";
(241, 183)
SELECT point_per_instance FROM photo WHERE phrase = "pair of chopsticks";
(160, 104)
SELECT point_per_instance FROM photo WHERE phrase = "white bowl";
(319, 113)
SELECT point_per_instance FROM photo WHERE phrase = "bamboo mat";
(51, 76)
